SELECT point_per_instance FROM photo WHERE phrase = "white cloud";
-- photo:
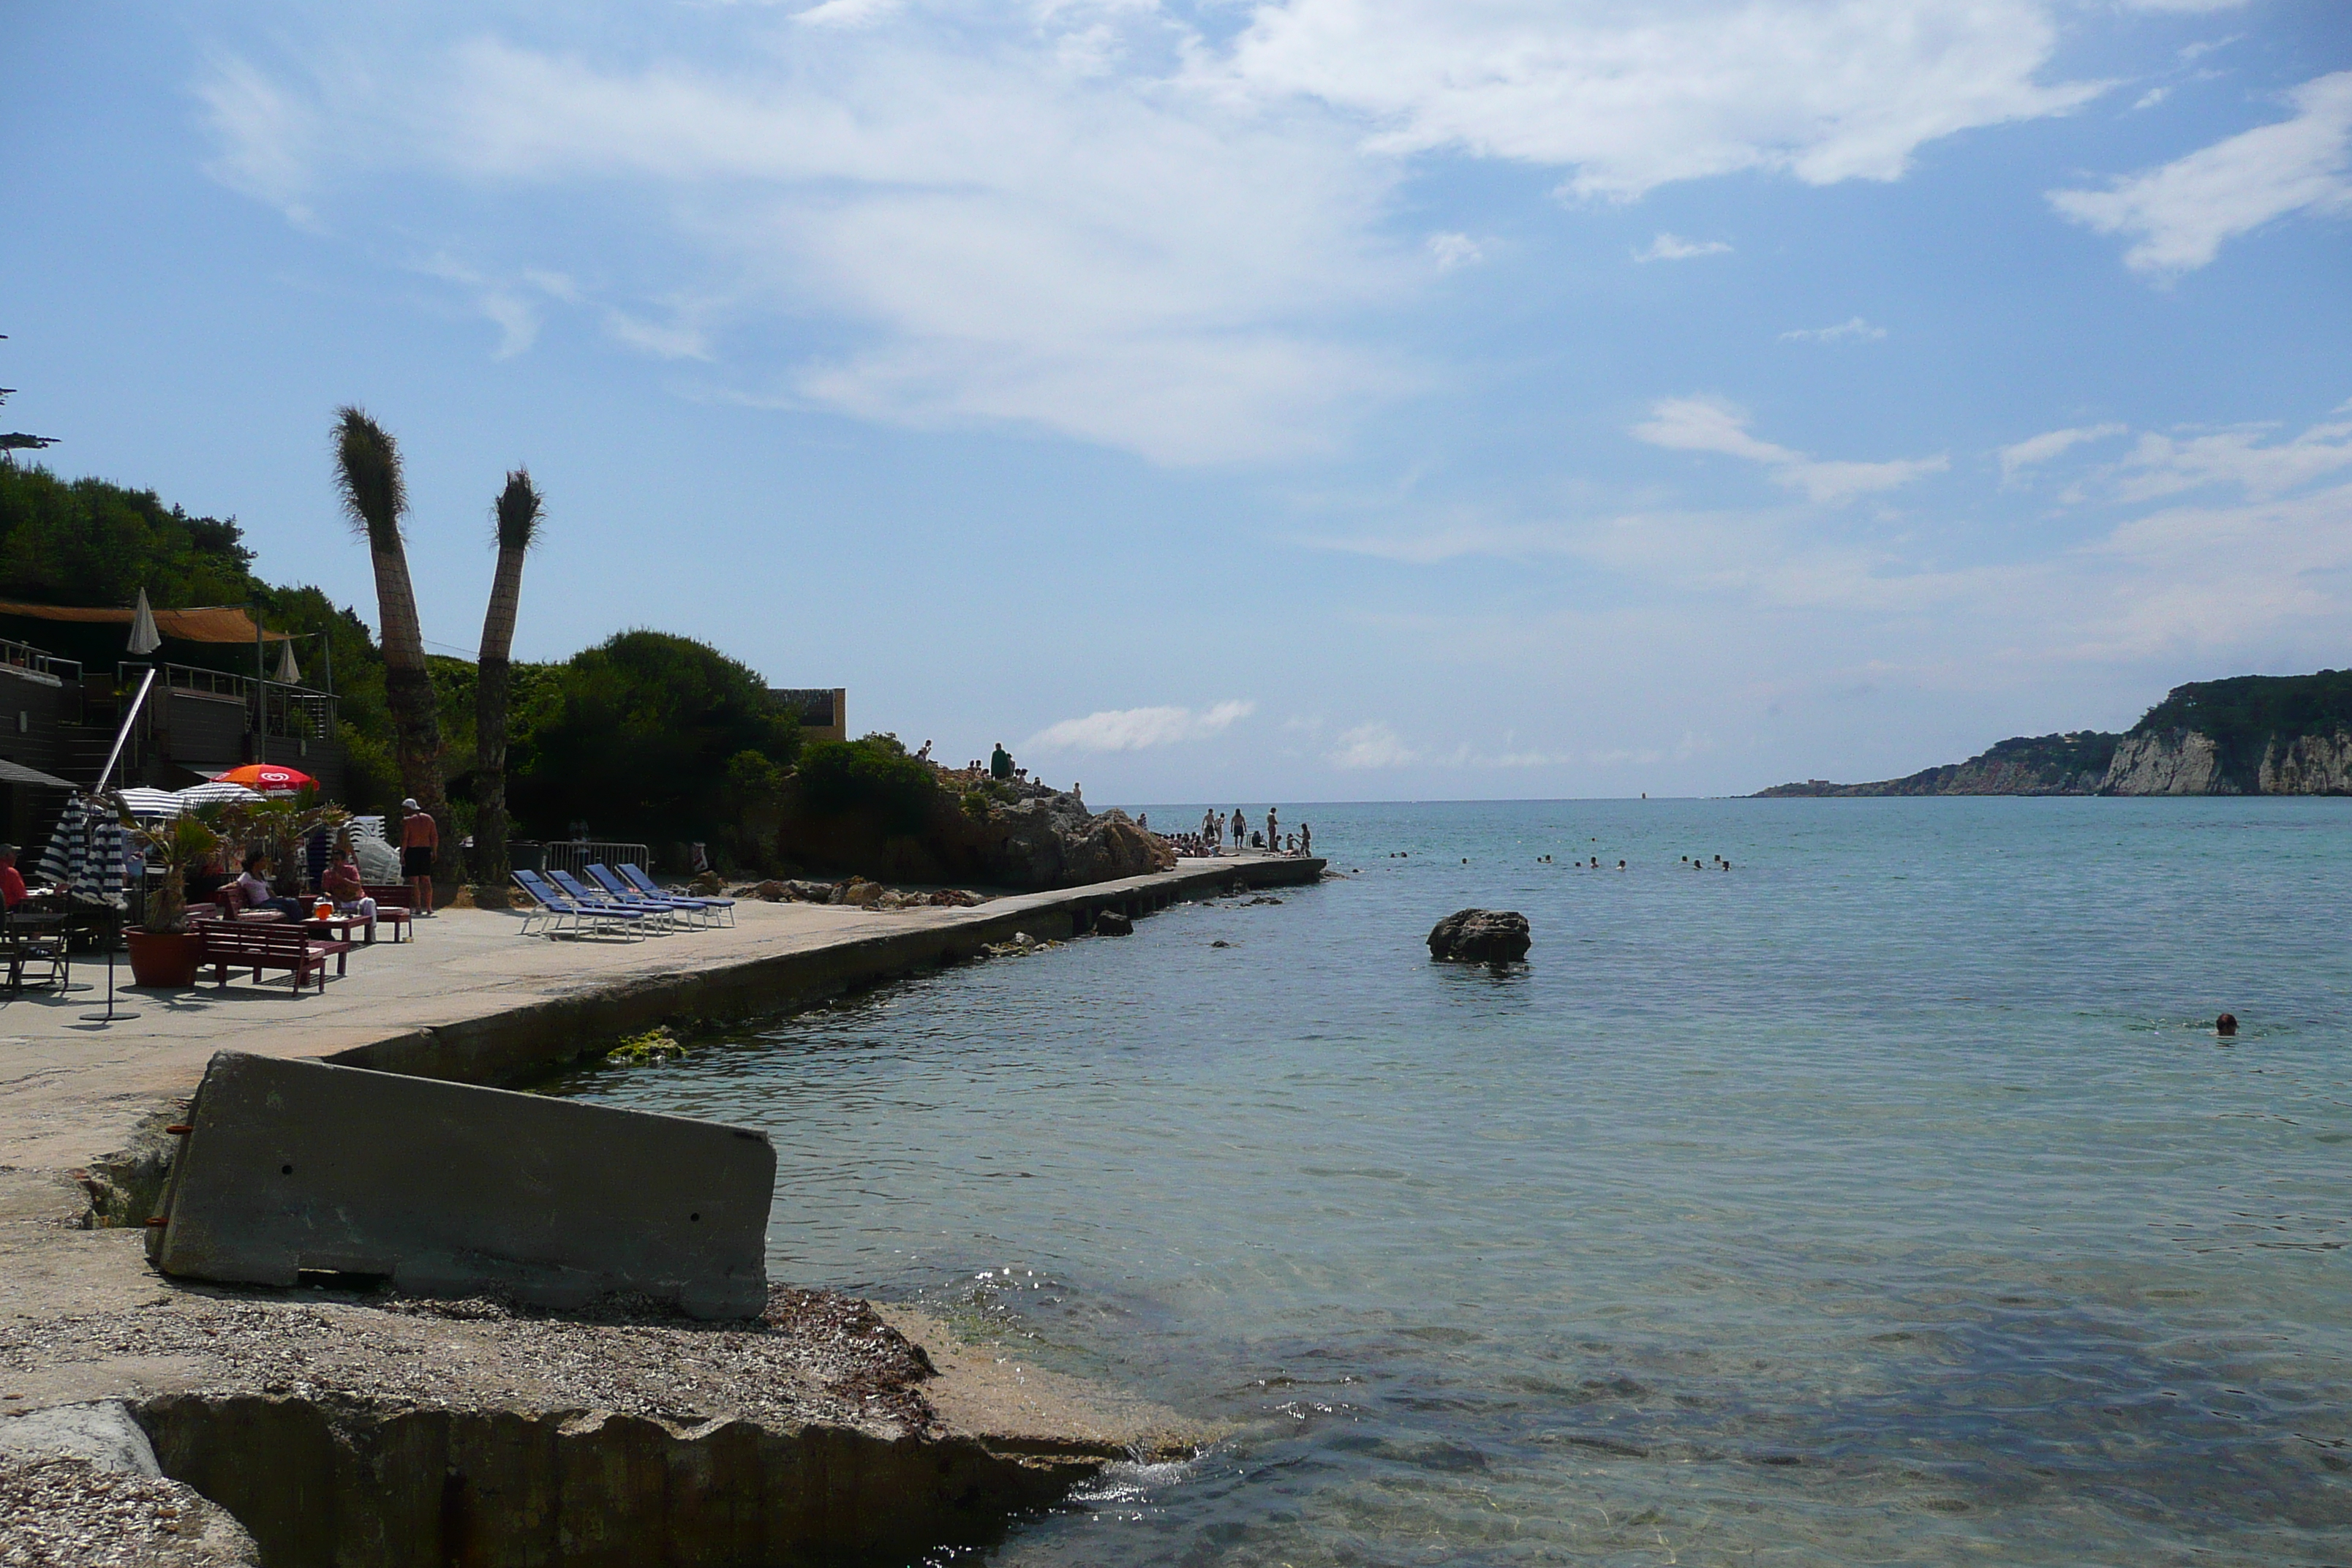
(1372, 745)
(1844, 331)
(1453, 250)
(2152, 97)
(1633, 96)
(266, 135)
(1702, 425)
(989, 236)
(2204, 46)
(2182, 213)
(678, 339)
(2163, 466)
(1114, 221)
(2051, 444)
(1139, 729)
(846, 12)
(1673, 247)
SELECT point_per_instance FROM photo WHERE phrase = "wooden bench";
(391, 906)
(263, 944)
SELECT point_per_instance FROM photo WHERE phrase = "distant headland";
(2253, 734)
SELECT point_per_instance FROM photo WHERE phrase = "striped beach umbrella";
(143, 802)
(215, 789)
(84, 855)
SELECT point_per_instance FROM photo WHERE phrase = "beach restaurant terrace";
(68, 685)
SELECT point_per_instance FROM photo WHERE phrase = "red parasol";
(268, 778)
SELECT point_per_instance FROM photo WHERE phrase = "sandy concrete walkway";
(70, 1091)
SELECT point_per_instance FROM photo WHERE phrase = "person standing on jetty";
(419, 837)
(1306, 839)
(1272, 837)
(1241, 828)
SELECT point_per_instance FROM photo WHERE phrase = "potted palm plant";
(165, 951)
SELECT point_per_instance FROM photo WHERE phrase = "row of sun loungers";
(626, 902)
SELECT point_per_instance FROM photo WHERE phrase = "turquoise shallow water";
(1886, 1199)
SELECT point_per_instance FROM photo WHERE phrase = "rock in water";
(1110, 922)
(1480, 936)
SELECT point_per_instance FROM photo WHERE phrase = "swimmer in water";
(2226, 1024)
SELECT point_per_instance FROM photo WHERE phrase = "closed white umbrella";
(144, 639)
(85, 854)
(288, 672)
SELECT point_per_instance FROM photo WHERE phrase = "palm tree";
(367, 471)
(519, 513)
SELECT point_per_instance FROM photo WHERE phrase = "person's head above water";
(2227, 1023)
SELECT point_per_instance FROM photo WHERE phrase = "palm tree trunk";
(408, 693)
(491, 720)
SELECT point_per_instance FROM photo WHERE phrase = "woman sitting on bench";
(252, 889)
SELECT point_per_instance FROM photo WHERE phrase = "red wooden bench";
(391, 906)
(261, 944)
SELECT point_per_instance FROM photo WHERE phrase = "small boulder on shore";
(1480, 936)
(1110, 922)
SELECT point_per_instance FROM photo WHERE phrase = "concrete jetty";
(341, 1426)
(471, 1001)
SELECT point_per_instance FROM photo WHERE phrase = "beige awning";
(205, 623)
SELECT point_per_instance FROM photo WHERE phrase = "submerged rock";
(1110, 922)
(1480, 936)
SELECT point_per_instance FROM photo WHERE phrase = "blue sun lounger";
(699, 910)
(660, 919)
(644, 884)
(556, 908)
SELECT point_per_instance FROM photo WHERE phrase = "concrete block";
(450, 1189)
(105, 1432)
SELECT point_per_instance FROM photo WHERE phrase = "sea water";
(1886, 1198)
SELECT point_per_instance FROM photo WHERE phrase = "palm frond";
(519, 510)
(367, 472)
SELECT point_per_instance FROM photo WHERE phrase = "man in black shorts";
(420, 836)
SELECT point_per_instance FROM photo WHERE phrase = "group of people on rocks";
(1216, 831)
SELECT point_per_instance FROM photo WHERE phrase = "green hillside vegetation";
(2246, 713)
(647, 736)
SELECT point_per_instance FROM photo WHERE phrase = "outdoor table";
(338, 927)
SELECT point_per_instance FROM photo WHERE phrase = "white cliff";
(2309, 764)
(2173, 762)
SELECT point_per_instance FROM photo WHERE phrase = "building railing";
(293, 712)
(27, 659)
(576, 855)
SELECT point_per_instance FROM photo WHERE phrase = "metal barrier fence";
(574, 855)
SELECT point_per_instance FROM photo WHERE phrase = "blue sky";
(1321, 399)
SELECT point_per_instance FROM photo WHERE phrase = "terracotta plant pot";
(165, 958)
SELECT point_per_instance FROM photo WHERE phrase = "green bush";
(874, 774)
(642, 738)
